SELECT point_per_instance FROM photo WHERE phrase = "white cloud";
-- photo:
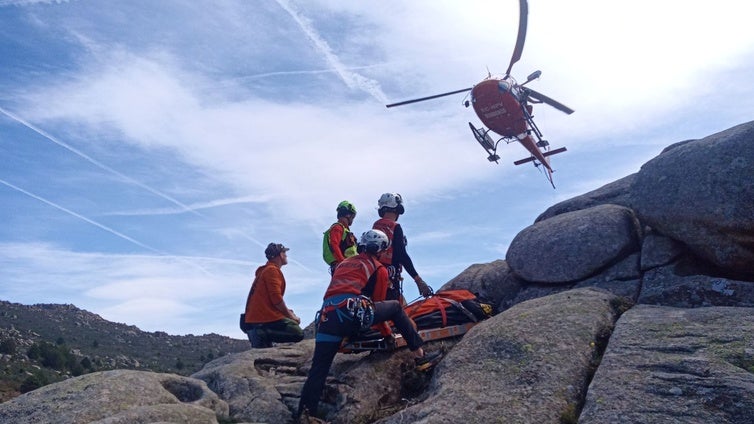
(257, 145)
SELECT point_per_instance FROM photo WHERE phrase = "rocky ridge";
(69, 337)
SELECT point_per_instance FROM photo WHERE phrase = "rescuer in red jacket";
(339, 242)
(354, 301)
(390, 207)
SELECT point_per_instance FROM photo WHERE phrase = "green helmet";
(345, 208)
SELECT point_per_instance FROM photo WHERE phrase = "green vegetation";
(34, 381)
(226, 420)
(569, 415)
(621, 304)
(59, 358)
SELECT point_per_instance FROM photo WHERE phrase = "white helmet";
(391, 201)
(374, 241)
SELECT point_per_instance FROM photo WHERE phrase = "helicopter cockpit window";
(504, 86)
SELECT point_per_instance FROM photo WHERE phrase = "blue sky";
(150, 150)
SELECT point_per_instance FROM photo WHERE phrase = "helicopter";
(505, 107)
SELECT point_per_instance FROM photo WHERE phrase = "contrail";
(28, 2)
(216, 203)
(103, 227)
(183, 207)
(194, 207)
(95, 162)
(304, 72)
(352, 79)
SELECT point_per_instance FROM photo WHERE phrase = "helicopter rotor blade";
(405, 102)
(547, 100)
(522, 21)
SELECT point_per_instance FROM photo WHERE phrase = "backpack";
(348, 244)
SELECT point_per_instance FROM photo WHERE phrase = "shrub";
(86, 363)
(33, 382)
(8, 346)
(51, 356)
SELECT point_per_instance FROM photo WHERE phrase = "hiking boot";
(429, 360)
(307, 419)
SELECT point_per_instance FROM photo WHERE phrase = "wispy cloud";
(29, 2)
(351, 79)
(192, 207)
(252, 144)
(94, 161)
(98, 225)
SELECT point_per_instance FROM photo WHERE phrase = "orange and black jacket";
(396, 254)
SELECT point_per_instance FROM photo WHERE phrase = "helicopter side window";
(503, 86)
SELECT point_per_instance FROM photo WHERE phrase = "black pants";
(330, 332)
(281, 331)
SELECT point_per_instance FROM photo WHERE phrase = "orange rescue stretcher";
(446, 314)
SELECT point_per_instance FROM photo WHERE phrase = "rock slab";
(672, 366)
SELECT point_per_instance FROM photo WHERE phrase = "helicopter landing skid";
(485, 140)
(533, 159)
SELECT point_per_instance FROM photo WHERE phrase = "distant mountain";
(45, 343)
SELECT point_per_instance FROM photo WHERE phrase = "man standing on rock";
(354, 301)
(390, 207)
(267, 317)
(339, 242)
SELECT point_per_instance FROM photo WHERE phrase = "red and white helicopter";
(504, 106)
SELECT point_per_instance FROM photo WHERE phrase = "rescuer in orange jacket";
(267, 317)
(354, 301)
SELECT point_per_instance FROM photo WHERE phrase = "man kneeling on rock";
(348, 307)
(267, 318)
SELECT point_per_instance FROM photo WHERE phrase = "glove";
(424, 289)
(391, 271)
